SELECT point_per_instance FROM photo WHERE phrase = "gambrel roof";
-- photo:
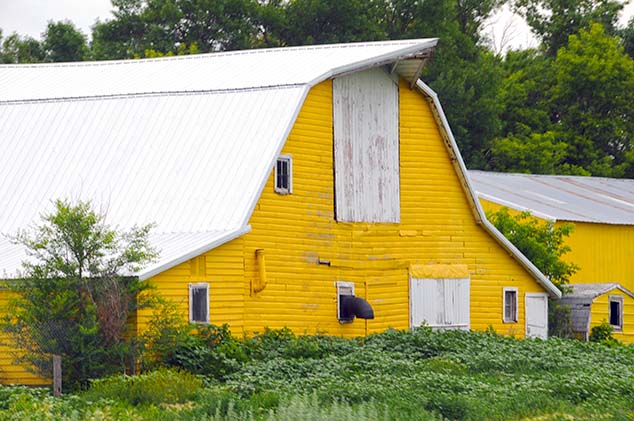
(184, 142)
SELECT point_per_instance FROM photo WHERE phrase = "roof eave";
(478, 212)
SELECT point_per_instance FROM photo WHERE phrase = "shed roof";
(591, 291)
(558, 197)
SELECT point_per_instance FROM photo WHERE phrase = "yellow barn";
(601, 209)
(318, 188)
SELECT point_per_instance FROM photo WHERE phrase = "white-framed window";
(616, 312)
(510, 305)
(199, 302)
(284, 174)
(343, 288)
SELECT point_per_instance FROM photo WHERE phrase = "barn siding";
(602, 251)
(437, 227)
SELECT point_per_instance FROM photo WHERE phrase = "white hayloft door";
(440, 303)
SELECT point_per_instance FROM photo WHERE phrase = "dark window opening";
(199, 304)
(615, 313)
(283, 175)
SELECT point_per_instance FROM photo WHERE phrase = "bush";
(603, 334)
(156, 387)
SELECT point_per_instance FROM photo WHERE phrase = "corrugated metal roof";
(555, 197)
(594, 290)
(186, 143)
(247, 69)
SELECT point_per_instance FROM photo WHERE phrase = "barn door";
(439, 303)
(536, 315)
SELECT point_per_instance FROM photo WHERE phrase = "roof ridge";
(201, 56)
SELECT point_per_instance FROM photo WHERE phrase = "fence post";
(57, 376)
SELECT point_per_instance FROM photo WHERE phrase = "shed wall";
(600, 312)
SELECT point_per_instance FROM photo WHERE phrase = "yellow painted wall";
(296, 230)
(600, 311)
(11, 373)
(602, 251)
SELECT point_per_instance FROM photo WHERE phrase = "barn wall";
(11, 373)
(602, 251)
(299, 231)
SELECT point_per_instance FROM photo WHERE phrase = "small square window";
(199, 303)
(284, 175)
(616, 312)
(510, 305)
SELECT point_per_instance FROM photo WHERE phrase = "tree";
(62, 41)
(74, 298)
(17, 49)
(555, 20)
(541, 242)
(593, 98)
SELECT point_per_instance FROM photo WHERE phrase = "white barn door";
(536, 315)
(440, 303)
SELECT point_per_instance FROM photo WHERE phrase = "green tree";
(593, 97)
(74, 299)
(541, 242)
(17, 49)
(555, 20)
(62, 41)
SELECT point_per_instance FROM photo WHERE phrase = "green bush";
(603, 333)
(156, 387)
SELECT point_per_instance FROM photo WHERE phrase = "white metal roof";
(592, 291)
(186, 143)
(559, 197)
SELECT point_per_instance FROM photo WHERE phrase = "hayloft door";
(439, 303)
(537, 315)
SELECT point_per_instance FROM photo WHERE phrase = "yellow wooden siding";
(603, 252)
(223, 269)
(11, 373)
(437, 227)
(600, 312)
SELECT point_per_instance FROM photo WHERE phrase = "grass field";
(394, 375)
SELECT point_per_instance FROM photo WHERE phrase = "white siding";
(440, 303)
(366, 149)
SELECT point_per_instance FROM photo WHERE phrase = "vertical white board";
(440, 303)
(536, 315)
(366, 147)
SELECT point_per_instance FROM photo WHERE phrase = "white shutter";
(440, 303)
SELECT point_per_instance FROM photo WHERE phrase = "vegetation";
(71, 300)
(388, 376)
(565, 107)
(541, 242)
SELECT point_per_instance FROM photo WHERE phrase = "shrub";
(159, 386)
(603, 333)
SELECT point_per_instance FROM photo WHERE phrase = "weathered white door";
(536, 315)
(440, 303)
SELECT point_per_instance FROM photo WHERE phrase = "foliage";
(64, 42)
(559, 320)
(17, 49)
(541, 242)
(555, 20)
(156, 387)
(603, 333)
(72, 300)
(394, 375)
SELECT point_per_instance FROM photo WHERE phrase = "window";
(199, 303)
(283, 175)
(510, 305)
(616, 312)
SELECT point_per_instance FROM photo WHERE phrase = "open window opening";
(616, 312)
(284, 175)
(199, 303)
(510, 305)
(349, 306)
